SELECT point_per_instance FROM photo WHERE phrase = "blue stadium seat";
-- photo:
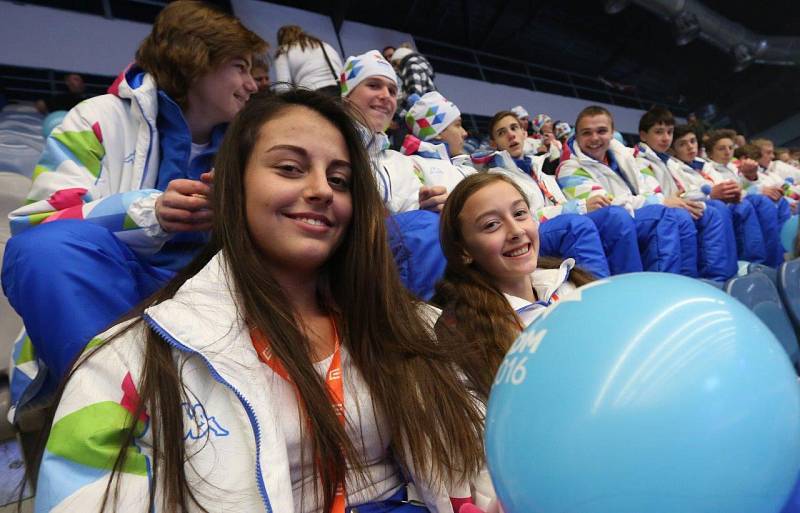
(19, 158)
(20, 126)
(771, 272)
(789, 288)
(760, 295)
(30, 116)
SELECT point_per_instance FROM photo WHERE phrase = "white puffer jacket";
(231, 419)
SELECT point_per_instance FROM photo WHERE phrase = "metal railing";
(456, 60)
(21, 83)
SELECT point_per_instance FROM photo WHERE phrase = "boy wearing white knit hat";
(436, 137)
(531, 144)
(369, 83)
(434, 118)
(541, 142)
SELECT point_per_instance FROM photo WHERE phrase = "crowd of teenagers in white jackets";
(280, 313)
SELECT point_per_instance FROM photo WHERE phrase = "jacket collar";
(504, 160)
(617, 151)
(652, 155)
(203, 317)
(546, 283)
(374, 142)
(697, 164)
(135, 84)
(412, 145)
(725, 169)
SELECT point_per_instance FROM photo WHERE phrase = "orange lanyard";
(543, 187)
(705, 175)
(678, 182)
(333, 384)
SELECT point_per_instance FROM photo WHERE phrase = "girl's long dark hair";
(434, 423)
(477, 318)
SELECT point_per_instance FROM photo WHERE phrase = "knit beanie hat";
(401, 53)
(430, 114)
(562, 129)
(520, 111)
(539, 121)
(359, 67)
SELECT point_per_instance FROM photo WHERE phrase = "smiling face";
(658, 137)
(221, 93)
(722, 151)
(376, 99)
(508, 135)
(686, 147)
(297, 191)
(499, 234)
(454, 135)
(594, 134)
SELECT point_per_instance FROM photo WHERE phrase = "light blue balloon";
(645, 393)
(51, 121)
(788, 234)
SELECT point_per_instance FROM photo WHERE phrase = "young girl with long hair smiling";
(495, 283)
(286, 368)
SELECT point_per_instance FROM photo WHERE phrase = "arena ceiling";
(633, 47)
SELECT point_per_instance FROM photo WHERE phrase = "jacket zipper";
(247, 406)
(150, 143)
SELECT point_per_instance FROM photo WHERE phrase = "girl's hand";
(432, 198)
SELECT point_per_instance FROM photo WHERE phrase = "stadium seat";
(789, 288)
(13, 189)
(20, 125)
(771, 272)
(760, 295)
(20, 157)
(21, 141)
(20, 108)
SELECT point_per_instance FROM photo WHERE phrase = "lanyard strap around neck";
(705, 175)
(547, 194)
(334, 384)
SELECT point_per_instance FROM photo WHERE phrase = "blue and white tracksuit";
(766, 210)
(747, 230)
(566, 219)
(87, 247)
(662, 244)
(716, 242)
